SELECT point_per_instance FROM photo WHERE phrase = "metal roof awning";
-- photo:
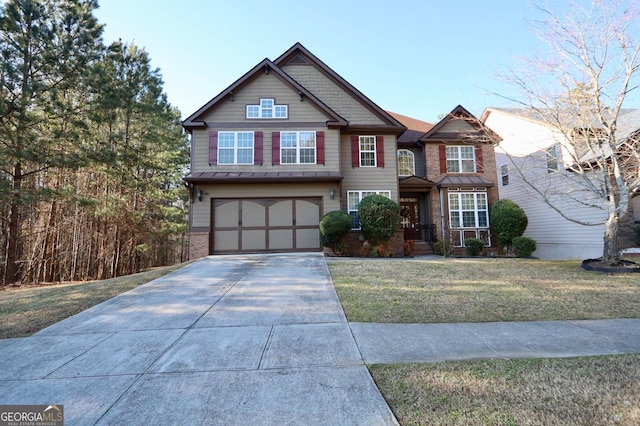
(465, 180)
(263, 177)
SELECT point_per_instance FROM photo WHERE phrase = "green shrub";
(524, 246)
(442, 249)
(379, 218)
(333, 226)
(474, 246)
(508, 221)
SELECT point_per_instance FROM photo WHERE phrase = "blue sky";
(417, 58)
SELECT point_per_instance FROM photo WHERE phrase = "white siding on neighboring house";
(522, 151)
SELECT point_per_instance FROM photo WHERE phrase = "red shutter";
(257, 148)
(443, 158)
(355, 151)
(379, 151)
(319, 147)
(213, 148)
(479, 163)
(275, 148)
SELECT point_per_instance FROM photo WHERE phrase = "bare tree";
(580, 87)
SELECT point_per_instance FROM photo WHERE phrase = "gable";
(264, 86)
(334, 91)
(331, 94)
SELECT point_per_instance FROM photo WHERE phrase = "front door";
(410, 218)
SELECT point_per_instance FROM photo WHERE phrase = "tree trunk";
(12, 271)
(611, 251)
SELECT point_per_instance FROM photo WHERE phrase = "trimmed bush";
(508, 221)
(333, 226)
(379, 218)
(474, 246)
(524, 246)
(442, 249)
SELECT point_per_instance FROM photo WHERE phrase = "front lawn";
(480, 290)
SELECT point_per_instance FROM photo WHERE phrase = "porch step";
(420, 247)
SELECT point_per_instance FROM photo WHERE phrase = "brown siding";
(332, 95)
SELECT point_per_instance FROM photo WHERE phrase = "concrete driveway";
(229, 340)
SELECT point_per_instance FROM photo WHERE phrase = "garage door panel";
(225, 240)
(226, 213)
(253, 213)
(307, 238)
(281, 213)
(254, 240)
(281, 239)
(307, 213)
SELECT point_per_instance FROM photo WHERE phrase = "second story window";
(367, 151)
(551, 154)
(461, 159)
(235, 148)
(267, 109)
(298, 147)
(406, 163)
(504, 172)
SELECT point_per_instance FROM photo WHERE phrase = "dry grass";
(481, 290)
(580, 391)
(25, 310)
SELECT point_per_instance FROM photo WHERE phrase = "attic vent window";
(267, 108)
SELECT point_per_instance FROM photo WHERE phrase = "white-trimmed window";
(504, 172)
(406, 163)
(551, 154)
(267, 108)
(468, 210)
(353, 201)
(367, 151)
(461, 159)
(298, 147)
(235, 147)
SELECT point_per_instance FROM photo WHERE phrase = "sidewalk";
(256, 339)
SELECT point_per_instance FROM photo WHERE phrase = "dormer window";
(267, 109)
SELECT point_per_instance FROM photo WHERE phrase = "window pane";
(225, 156)
(308, 156)
(307, 139)
(468, 219)
(453, 166)
(452, 153)
(482, 219)
(288, 156)
(468, 202)
(455, 219)
(367, 159)
(245, 140)
(466, 152)
(288, 139)
(281, 111)
(245, 156)
(482, 201)
(253, 111)
(468, 166)
(367, 143)
(353, 200)
(454, 202)
(226, 140)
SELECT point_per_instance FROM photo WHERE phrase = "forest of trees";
(91, 152)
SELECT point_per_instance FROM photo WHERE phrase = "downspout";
(442, 224)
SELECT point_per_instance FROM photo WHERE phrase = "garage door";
(265, 224)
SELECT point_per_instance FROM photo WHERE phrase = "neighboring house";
(292, 140)
(447, 178)
(533, 153)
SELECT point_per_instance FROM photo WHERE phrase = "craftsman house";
(534, 163)
(292, 140)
